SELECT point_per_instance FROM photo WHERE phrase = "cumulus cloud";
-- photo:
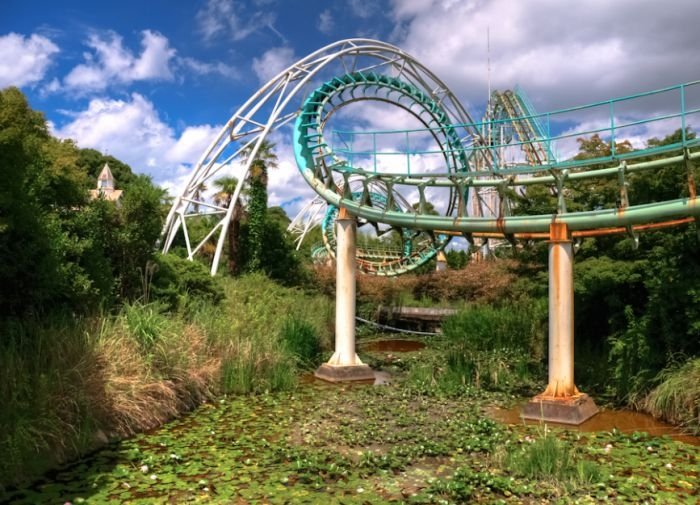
(272, 62)
(132, 131)
(24, 60)
(364, 9)
(110, 62)
(227, 18)
(286, 186)
(562, 53)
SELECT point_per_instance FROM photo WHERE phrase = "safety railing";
(363, 149)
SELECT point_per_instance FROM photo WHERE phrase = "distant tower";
(105, 187)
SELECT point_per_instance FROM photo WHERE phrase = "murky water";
(624, 421)
(392, 346)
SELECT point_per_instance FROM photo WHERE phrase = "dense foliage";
(58, 249)
(637, 305)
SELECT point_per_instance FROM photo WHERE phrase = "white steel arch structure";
(276, 104)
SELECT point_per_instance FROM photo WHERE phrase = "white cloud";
(191, 144)
(204, 68)
(562, 53)
(111, 63)
(364, 9)
(286, 186)
(132, 131)
(272, 62)
(24, 60)
(326, 23)
(233, 19)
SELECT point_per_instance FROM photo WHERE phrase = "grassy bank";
(68, 385)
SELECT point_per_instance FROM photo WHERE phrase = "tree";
(59, 251)
(264, 159)
(227, 186)
(28, 258)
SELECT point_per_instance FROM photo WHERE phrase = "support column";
(345, 365)
(561, 401)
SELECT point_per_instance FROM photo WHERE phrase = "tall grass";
(677, 398)
(495, 347)
(67, 385)
(248, 331)
(301, 341)
(548, 458)
(50, 385)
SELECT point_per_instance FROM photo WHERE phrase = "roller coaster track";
(350, 70)
(508, 110)
(351, 177)
(512, 109)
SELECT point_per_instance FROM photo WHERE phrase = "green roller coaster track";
(330, 170)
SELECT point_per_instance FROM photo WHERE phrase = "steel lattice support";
(273, 106)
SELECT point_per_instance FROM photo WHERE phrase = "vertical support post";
(346, 234)
(345, 365)
(561, 401)
(374, 150)
(561, 313)
(683, 134)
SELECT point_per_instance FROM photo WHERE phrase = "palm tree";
(227, 186)
(265, 158)
(197, 195)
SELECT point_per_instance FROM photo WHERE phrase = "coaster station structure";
(366, 181)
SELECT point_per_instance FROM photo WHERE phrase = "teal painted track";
(328, 170)
(417, 247)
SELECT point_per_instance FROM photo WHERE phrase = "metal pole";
(346, 234)
(345, 365)
(561, 313)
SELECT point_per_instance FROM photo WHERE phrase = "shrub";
(176, 279)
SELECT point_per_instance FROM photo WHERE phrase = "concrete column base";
(566, 410)
(341, 373)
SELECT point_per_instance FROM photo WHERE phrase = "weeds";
(548, 458)
(496, 348)
(677, 397)
(67, 385)
(301, 341)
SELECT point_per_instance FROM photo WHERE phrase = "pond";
(361, 444)
(623, 421)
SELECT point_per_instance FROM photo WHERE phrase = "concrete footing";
(336, 373)
(568, 410)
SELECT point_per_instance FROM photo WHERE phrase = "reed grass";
(677, 398)
(495, 347)
(68, 385)
(548, 458)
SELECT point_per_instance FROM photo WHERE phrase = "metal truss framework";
(276, 104)
(361, 69)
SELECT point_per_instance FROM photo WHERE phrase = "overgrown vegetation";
(68, 384)
(677, 397)
(359, 444)
(497, 348)
(102, 338)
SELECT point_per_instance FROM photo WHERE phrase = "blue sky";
(152, 82)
